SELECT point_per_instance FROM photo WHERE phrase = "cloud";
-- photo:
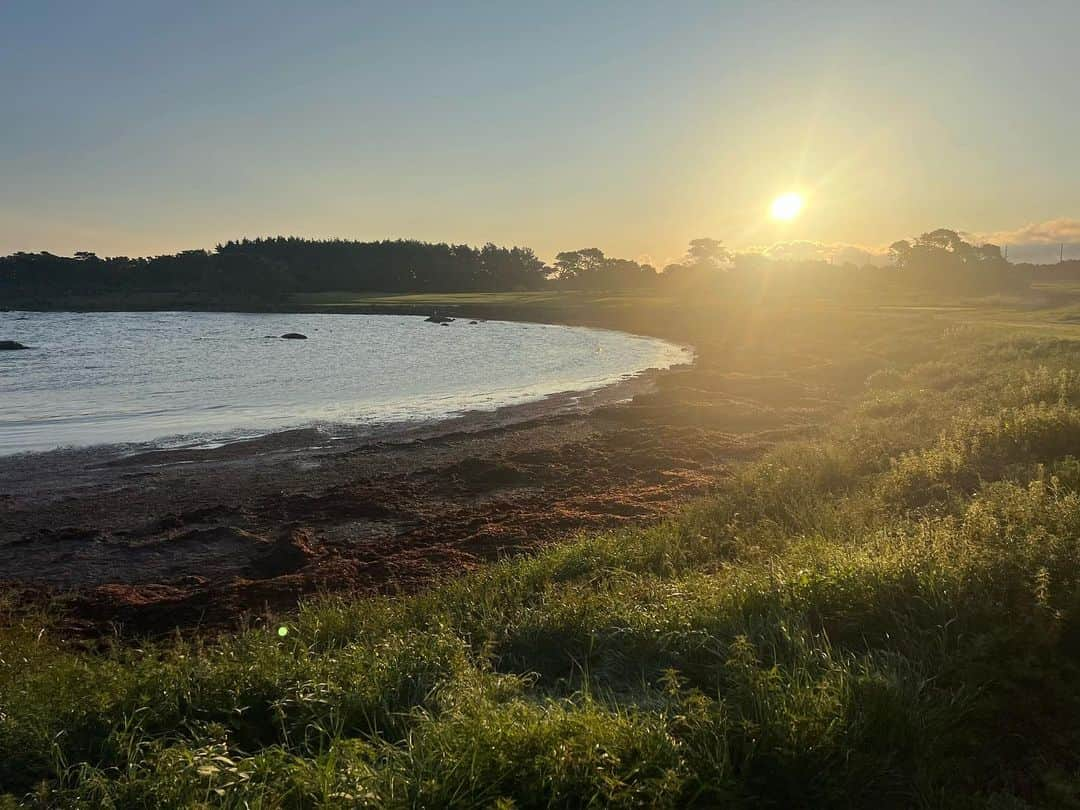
(1051, 232)
(836, 252)
(1038, 242)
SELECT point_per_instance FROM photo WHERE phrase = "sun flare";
(786, 207)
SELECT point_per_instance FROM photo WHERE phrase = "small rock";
(443, 319)
(293, 336)
(11, 345)
(473, 323)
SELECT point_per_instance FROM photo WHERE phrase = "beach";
(141, 541)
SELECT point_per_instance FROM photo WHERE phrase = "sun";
(786, 207)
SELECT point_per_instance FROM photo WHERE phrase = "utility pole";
(1061, 254)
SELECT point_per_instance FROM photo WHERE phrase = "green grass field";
(563, 306)
(884, 614)
(1051, 307)
(345, 300)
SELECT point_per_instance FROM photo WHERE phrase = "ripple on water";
(107, 378)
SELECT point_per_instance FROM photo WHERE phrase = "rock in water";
(443, 319)
(293, 336)
(11, 346)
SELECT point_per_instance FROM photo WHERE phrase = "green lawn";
(335, 299)
(543, 306)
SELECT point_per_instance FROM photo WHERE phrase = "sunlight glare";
(786, 207)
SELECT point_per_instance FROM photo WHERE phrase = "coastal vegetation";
(539, 406)
(884, 610)
(267, 273)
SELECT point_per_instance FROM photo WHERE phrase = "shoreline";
(145, 542)
(22, 472)
(306, 431)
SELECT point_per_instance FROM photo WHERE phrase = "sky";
(140, 128)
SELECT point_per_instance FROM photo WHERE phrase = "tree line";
(267, 269)
(270, 268)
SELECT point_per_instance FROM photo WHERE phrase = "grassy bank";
(886, 613)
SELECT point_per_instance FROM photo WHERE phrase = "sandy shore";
(147, 540)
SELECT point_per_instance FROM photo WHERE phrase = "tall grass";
(888, 615)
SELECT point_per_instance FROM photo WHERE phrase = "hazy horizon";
(138, 131)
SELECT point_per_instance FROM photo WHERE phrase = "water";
(177, 378)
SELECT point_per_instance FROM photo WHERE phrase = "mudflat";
(144, 542)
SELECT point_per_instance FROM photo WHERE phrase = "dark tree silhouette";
(590, 269)
(257, 272)
(266, 269)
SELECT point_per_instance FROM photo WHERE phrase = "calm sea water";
(176, 378)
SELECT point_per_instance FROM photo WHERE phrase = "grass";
(565, 306)
(885, 614)
(336, 299)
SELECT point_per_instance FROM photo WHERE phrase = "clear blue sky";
(139, 128)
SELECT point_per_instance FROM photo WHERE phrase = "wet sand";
(144, 541)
